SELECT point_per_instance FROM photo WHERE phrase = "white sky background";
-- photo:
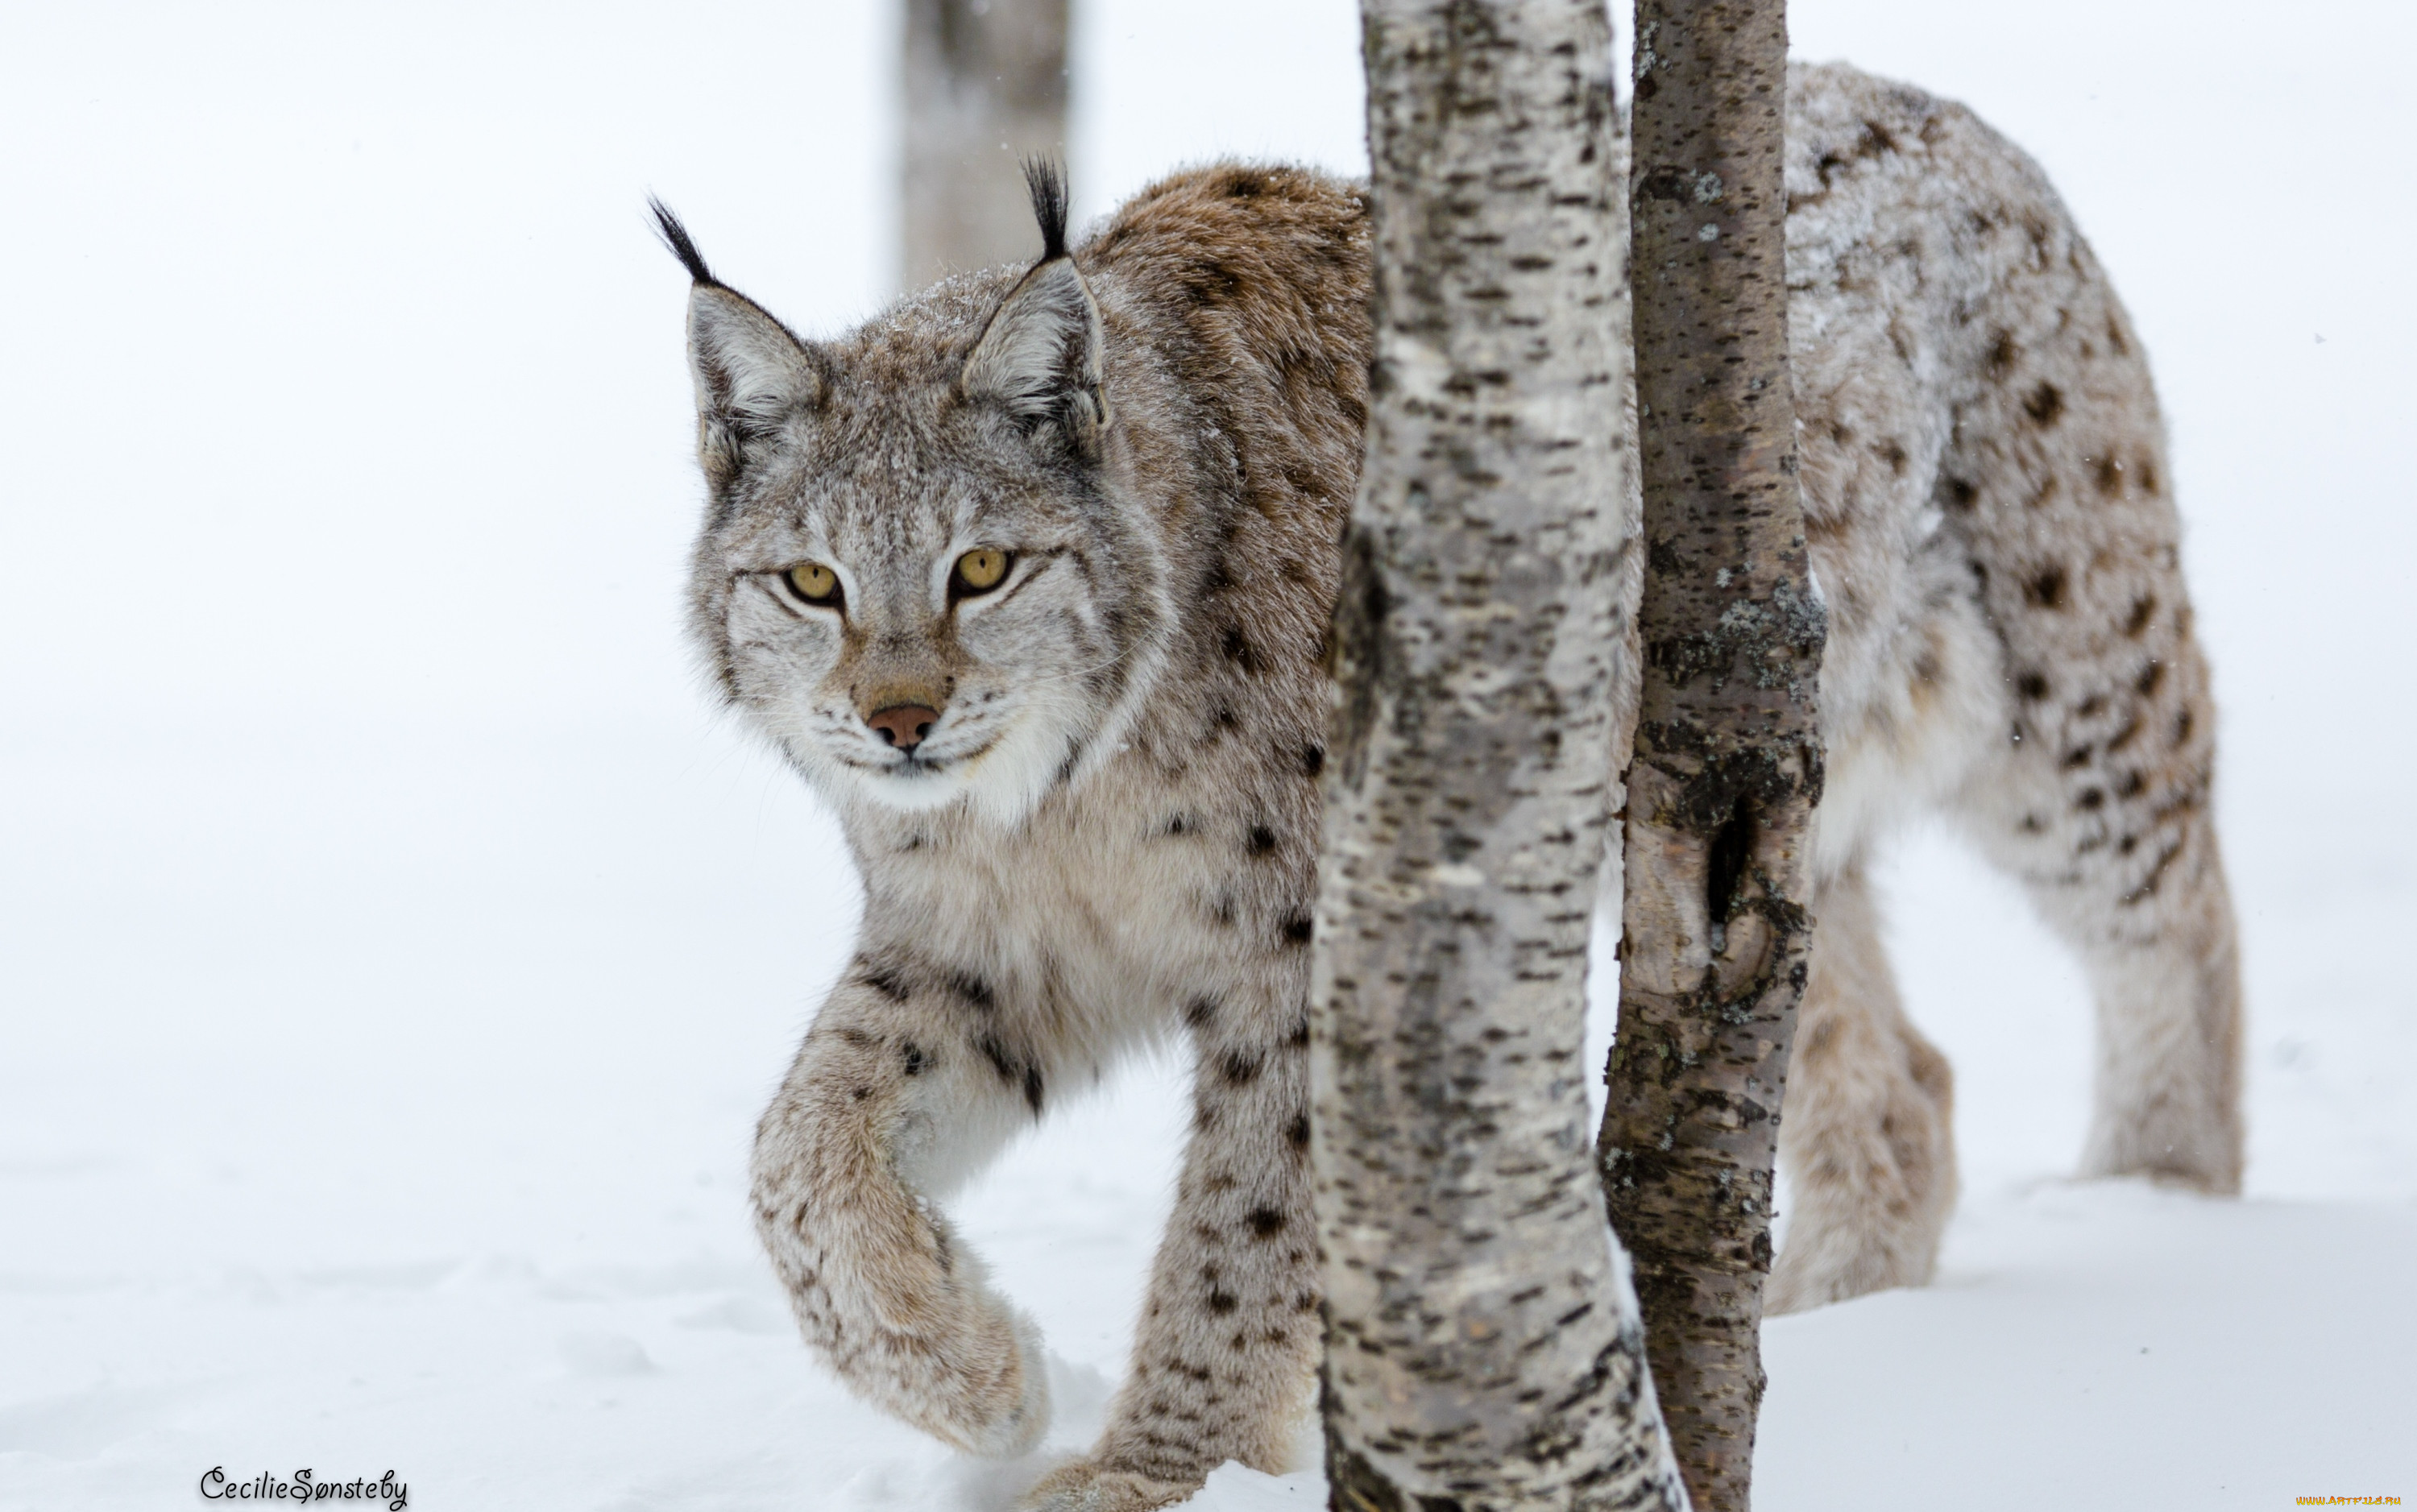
(377, 886)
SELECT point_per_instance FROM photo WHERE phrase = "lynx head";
(919, 572)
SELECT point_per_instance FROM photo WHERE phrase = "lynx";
(1029, 577)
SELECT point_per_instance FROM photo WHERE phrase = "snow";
(398, 951)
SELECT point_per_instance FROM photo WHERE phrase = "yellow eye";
(813, 582)
(980, 571)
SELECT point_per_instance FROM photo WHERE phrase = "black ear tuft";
(674, 236)
(1047, 182)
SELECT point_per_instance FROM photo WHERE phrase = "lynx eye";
(980, 571)
(815, 583)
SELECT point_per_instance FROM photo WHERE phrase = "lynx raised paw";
(934, 1347)
(1085, 1486)
(979, 1388)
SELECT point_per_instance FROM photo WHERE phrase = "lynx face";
(917, 574)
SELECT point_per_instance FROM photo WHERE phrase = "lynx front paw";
(1085, 1486)
(930, 1344)
(978, 1386)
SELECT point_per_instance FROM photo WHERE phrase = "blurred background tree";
(985, 87)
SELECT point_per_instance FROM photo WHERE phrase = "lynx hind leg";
(2114, 839)
(2098, 797)
(1224, 1361)
(1866, 1135)
(889, 1097)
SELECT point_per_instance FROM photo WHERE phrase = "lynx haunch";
(1029, 577)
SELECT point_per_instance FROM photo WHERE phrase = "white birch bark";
(985, 88)
(1482, 1344)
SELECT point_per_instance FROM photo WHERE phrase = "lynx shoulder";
(1030, 578)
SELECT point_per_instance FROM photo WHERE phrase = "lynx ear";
(750, 372)
(1038, 358)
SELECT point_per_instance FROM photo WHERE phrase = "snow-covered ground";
(394, 952)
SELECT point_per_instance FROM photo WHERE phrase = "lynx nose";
(904, 725)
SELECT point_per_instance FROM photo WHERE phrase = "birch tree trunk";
(1483, 1346)
(985, 87)
(1728, 762)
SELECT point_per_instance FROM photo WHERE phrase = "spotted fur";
(1108, 833)
(1990, 511)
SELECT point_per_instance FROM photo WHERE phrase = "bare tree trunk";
(1728, 763)
(1483, 1345)
(985, 88)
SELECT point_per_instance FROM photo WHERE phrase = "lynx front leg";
(1222, 1368)
(891, 1096)
(1866, 1133)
